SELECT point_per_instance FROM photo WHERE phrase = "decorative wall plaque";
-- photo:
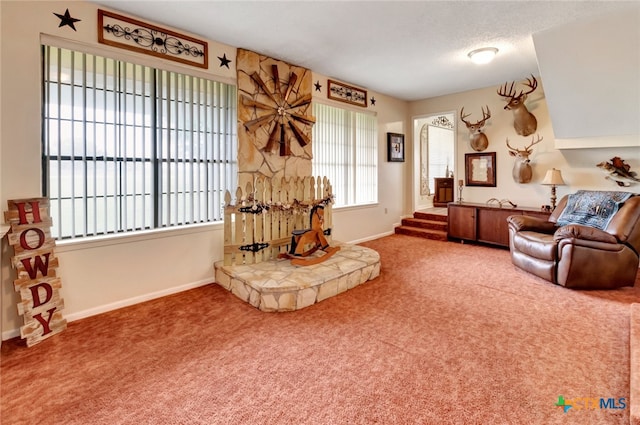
(281, 113)
(274, 118)
(131, 34)
(35, 263)
(346, 93)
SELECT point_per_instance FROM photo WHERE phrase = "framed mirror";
(437, 149)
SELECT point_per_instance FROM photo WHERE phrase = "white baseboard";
(120, 304)
(370, 238)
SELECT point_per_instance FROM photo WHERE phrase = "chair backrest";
(559, 208)
(625, 225)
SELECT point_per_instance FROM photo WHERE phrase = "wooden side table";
(443, 191)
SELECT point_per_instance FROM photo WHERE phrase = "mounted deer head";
(524, 121)
(522, 172)
(477, 138)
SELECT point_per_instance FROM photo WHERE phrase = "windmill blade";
(273, 138)
(285, 148)
(276, 79)
(247, 101)
(302, 138)
(253, 125)
(292, 81)
(263, 86)
(304, 100)
(307, 119)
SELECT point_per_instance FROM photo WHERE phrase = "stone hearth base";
(278, 285)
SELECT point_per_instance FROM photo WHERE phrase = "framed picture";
(480, 169)
(395, 147)
(346, 93)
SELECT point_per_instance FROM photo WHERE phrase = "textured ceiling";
(406, 49)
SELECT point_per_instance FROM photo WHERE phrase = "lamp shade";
(553, 177)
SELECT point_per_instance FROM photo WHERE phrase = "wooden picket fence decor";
(258, 226)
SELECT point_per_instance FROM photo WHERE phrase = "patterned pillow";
(592, 208)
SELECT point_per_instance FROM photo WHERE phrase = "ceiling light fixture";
(482, 56)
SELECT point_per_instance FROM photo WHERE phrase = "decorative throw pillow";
(592, 208)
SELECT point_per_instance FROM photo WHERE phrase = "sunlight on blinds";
(345, 150)
(128, 147)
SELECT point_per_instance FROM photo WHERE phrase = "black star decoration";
(318, 85)
(224, 61)
(373, 101)
(66, 19)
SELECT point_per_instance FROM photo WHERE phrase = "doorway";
(435, 142)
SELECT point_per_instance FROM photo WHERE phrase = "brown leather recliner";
(575, 255)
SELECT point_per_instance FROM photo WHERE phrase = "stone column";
(275, 94)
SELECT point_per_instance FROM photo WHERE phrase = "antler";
(502, 91)
(485, 116)
(462, 117)
(533, 143)
(532, 83)
(511, 148)
(526, 149)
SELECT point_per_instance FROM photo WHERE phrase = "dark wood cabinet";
(484, 223)
(461, 222)
(492, 225)
(443, 191)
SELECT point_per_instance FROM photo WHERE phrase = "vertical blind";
(128, 147)
(345, 149)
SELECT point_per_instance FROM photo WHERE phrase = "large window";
(128, 147)
(345, 149)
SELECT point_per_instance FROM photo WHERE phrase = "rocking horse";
(314, 235)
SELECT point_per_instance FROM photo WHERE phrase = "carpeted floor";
(448, 334)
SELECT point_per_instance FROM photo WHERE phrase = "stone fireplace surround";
(277, 285)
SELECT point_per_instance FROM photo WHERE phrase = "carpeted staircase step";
(425, 223)
(634, 386)
(438, 235)
(430, 216)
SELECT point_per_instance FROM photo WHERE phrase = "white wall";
(577, 165)
(113, 272)
(592, 78)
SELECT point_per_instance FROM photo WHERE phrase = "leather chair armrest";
(578, 231)
(524, 222)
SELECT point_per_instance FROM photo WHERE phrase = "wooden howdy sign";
(35, 265)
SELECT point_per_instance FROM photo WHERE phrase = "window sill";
(131, 237)
(355, 207)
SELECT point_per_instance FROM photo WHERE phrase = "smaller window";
(345, 150)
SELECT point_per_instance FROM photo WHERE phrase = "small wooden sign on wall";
(35, 263)
(132, 34)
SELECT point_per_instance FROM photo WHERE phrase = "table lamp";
(553, 178)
